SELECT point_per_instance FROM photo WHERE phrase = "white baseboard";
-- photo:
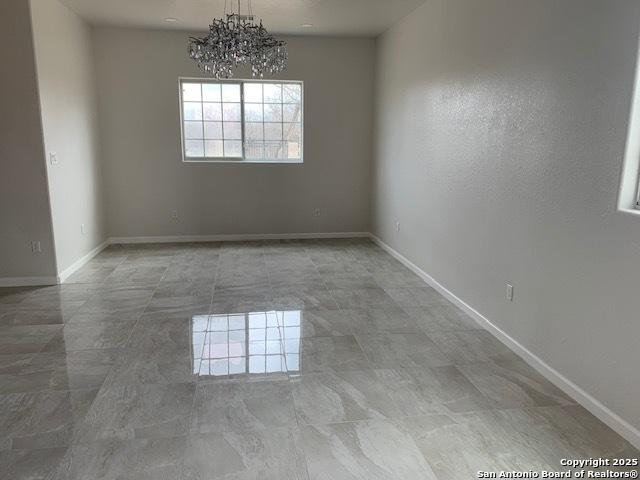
(234, 238)
(67, 272)
(27, 281)
(613, 420)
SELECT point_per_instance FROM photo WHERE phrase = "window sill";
(630, 211)
(253, 162)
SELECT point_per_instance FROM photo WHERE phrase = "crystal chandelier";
(238, 40)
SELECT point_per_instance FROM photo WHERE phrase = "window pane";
(293, 363)
(273, 150)
(237, 322)
(274, 347)
(273, 93)
(192, 111)
(273, 131)
(230, 92)
(193, 130)
(291, 93)
(232, 148)
(254, 131)
(254, 149)
(194, 148)
(292, 339)
(200, 323)
(256, 335)
(212, 111)
(232, 131)
(253, 112)
(218, 350)
(275, 363)
(237, 349)
(257, 364)
(217, 367)
(253, 92)
(293, 150)
(237, 365)
(191, 92)
(218, 323)
(273, 112)
(210, 92)
(257, 320)
(217, 338)
(213, 130)
(272, 319)
(291, 113)
(213, 148)
(273, 333)
(291, 132)
(231, 111)
(257, 348)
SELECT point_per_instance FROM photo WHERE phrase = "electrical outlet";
(83, 229)
(397, 226)
(173, 214)
(316, 212)
(509, 292)
(36, 247)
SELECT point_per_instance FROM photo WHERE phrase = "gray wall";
(138, 72)
(500, 133)
(24, 202)
(69, 117)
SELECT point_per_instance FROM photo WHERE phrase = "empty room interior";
(319, 239)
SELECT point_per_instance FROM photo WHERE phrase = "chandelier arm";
(237, 40)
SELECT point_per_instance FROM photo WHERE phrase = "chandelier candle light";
(236, 41)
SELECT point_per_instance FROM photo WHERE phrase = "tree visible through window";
(241, 120)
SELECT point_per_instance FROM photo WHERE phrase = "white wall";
(69, 117)
(138, 74)
(24, 203)
(500, 133)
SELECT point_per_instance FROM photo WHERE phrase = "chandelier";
(236, 41)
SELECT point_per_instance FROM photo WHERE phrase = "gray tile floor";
(268, 360)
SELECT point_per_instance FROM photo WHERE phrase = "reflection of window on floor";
(256, 342)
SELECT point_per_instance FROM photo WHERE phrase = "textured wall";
(24, 201)
(138, 74)
(500, 132)
(69, 118)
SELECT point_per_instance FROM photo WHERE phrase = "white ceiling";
(329, 17)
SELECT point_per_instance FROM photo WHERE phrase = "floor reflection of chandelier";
(236, 41)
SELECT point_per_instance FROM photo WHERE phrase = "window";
(244, 120)
(246, 343)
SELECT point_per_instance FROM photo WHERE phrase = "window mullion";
(264, 134)
(204, 144)
(224, 153)
(242, 119)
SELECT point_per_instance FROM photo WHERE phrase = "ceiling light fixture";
(236, 41)
(307, 25)
(170, 20)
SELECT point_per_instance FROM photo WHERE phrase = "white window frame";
(242, 159)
